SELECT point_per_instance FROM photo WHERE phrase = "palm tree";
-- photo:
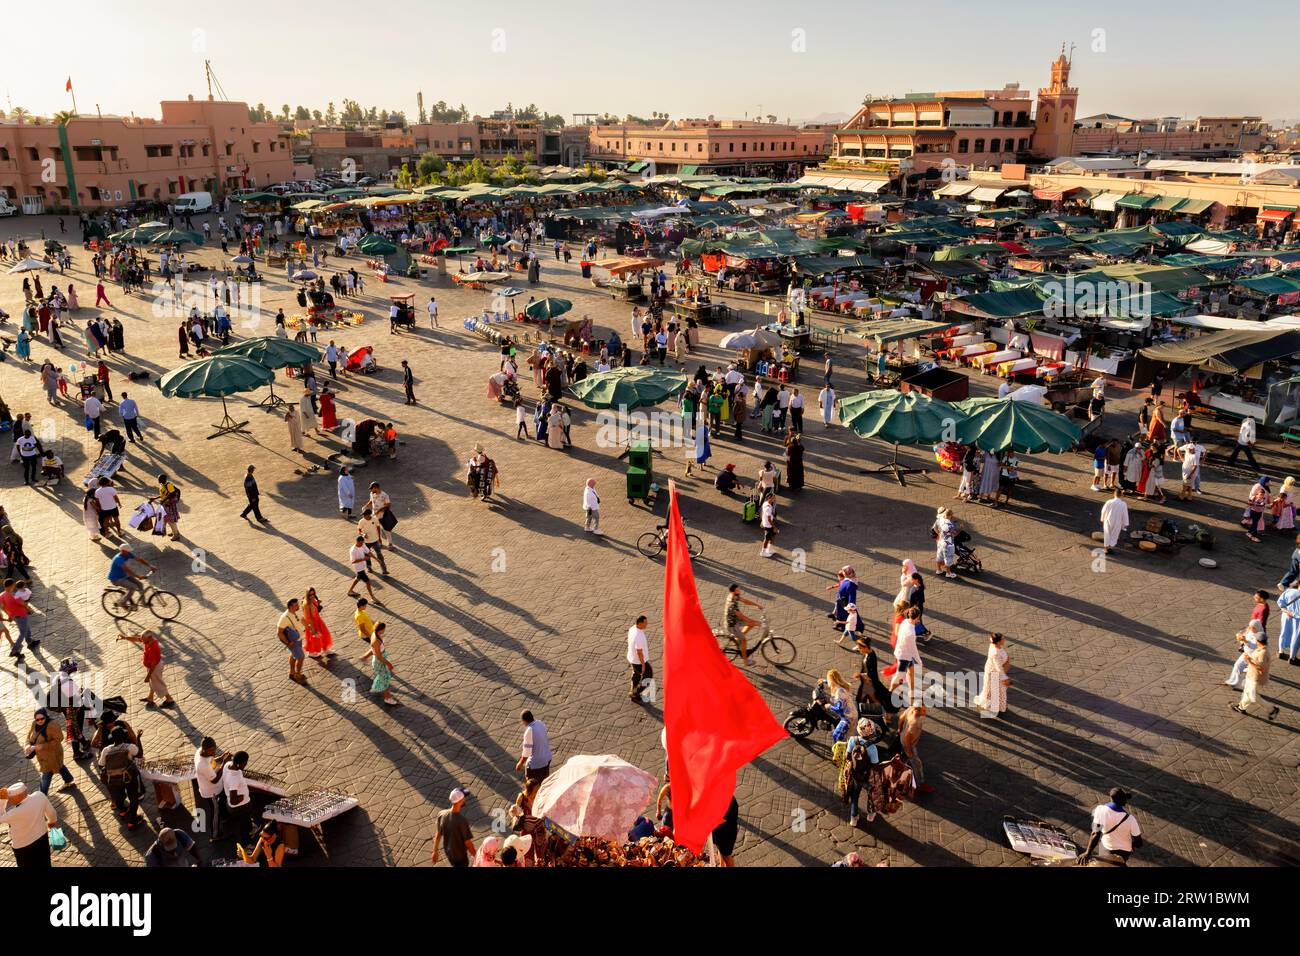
(62, 117)
(19, 113)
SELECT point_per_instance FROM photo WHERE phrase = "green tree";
(316, 115)
(302, 113)
(353, 114)
(429, 165)
(403, 178)
(62, 117)
(552, 120)
(331, 115)
(285, 112)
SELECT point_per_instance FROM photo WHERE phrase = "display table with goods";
(309, 809)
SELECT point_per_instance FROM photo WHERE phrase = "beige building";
(702, 146)
(1205, 136)
(96, 162)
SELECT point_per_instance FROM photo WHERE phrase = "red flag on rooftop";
(716, 721)
(68, 88)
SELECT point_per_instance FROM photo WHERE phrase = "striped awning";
(1275, 213)
(956, 189)
(987, 193)
(1106, 201)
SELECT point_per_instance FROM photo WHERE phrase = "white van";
(192, 203)
(7, 208)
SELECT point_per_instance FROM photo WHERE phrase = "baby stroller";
(966, 557)
(363, 361)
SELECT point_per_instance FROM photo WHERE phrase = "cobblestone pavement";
(496, 607)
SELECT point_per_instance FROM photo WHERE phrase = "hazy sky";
(793, 59)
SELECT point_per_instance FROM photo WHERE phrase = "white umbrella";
(595, 796)
(755, 339)
(30, 265)
(514, 244)
(155, 224)
(1029, 393)
(304, 275)
(241, 260)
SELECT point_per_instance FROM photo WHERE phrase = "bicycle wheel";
(165, 605)
(649, 544)
(694, 545)
(778, 651)
(110, 599)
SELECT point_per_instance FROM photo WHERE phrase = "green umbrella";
(273, 352)
(904, 418)
(548, 308)
(139, 234)
(629, 388)
(996, 424)
(174, 237)
(219, 375)
(376, 245)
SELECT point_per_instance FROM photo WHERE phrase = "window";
(1023, 145)
(155, 152)
(57, 153)
(963, 146)
(979, 145)
(207, 149)
(674, 147)
(661, 147)
(33, 154)
(1022, 118)
(995, 146)
(229, 148)
(731, 147)
(744, 147)
(1006, 118)
(93, 192)
(171, 188)
(699, 147)
(1047, 117)
(773, 147)
(4, 154)
(716, 147)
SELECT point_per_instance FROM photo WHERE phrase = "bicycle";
(654, 543)
(775, 649)
(119, 604)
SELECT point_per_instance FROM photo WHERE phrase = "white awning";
(956, 189)
(1106, 201)
(987, 193)
(822, 181)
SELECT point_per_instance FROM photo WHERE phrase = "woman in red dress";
(329, 418)
(317, 639)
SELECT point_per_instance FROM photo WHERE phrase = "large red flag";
(716, 721)
(68, 88)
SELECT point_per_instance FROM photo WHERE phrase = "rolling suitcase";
(750, 511)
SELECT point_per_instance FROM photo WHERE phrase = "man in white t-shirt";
(208, 768)
(93, 408)
(1193, 454)
(1004, 389)
(359, 558)
(239, 805)
(1114, 827)
(433, 312)
(638, 655)
(767, 520)
(29, 451)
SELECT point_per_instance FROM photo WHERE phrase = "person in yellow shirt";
(365, 623)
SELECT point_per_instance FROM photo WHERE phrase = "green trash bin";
(640, 472)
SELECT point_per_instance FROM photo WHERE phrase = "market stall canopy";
(995, 425)
(1275, 214)
(829, 265)
(633, 387)
(1029, 393)
(1273, 284)
(987, 193)
(621, 265)
(255, 197)
(376, 245)
(272, 351)
(1228, 352)
(903, 418)
(1052, 195)
(846, 184)
(175, 237)
(30, 265)
(970, 250)
(753, 339)
(896, 330)
(953, 268)
(595, 796)
(1002, 305)
(1106, 202)
(140, 234)
(548, 308)
(215, 376)
(956, 189)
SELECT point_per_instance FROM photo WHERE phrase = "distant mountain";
(836, 118)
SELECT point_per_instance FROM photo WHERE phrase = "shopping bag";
(57, 840)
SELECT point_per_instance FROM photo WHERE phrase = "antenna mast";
(212, 80)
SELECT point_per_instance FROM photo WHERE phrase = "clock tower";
(1054, 119)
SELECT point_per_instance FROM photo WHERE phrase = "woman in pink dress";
(72, 299)
(317, 639)
(329, 418)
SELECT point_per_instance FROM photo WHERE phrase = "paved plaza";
(496, 607)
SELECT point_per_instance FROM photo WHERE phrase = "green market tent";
(1270, 284)
(138, 235)
(548, 308)
(175, 237)
(903, 418)
(996, 424)
(971, 251)
(627, 388)
(1002, 305)
(1228, 352)
(217, 375)
(376, 245)
(272, 352)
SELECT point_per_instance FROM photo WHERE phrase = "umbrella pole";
(227, 425)
(894, 468)
(272, 401)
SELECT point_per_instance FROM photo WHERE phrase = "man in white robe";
(1114, 519)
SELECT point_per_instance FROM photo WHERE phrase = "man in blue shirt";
(535, 761)
(120, 574)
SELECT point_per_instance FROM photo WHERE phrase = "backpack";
(120, 767)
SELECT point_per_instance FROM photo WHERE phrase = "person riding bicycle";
(738, 624)
(120, 575)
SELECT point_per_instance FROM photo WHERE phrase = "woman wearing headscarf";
(307, 414)
(24, 347)
(1256, 502)
(793, 461)
(990, 470)
(73, 304)
(90, 513)
(329, 416)
(701, 452)
(542, 421)
(846, 593)
(555, 428)
(317, 640)
(50, 381)
(347, 492)
(487, 851)
(992, 700)
(1284, 506)
(969, 474)
(169, 499)
(767, 407)
(45, 743)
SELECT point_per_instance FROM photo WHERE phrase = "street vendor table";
(796, 339)
(105, 466)
(166, 773)
(311, 809)
(1234, 405)
(705, 312)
